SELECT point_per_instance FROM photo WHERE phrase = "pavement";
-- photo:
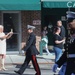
(14, 62)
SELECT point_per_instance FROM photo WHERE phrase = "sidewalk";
(19, 59)
(13, 62)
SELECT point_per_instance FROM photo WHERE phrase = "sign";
(36, 22)
(70, 4)
(63, 18)
(58, 3)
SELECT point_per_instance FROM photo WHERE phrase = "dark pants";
(26, 62)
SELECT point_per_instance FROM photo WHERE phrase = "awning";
(20, 5)
(58, 3)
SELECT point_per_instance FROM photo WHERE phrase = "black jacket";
(30, 45)
(70, 68)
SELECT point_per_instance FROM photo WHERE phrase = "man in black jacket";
(31, 53)
(69, 55)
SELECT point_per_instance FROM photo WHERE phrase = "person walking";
(44, 40)
(3, 38)
(58, 43)
(31, 53)
(62, 34)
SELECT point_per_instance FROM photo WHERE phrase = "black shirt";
(62, 33)
(59, 38)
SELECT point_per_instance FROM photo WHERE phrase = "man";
(31, 53)
(69, 55)
(62, 33)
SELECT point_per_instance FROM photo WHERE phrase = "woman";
(44, 42)
(3, 38)
(44, 39)
(58, 43)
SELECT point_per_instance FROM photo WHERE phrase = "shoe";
(58, 69)
(3, 69)
(17, 72)
(50, 54)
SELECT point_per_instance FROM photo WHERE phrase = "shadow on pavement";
(19, 65)
(13, 74)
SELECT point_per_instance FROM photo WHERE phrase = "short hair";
(1, 26)
(59, 20)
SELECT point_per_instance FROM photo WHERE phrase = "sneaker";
(58, 69)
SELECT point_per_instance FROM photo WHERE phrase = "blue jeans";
(58, 53)
(63, 69)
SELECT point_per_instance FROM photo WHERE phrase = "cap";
(70, 14)
(30, 27)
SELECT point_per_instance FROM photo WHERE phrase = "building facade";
(18, 21)
(16, 15)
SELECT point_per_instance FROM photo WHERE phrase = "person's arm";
(10, 34)
(58, 42)
(45, 39)
(30, 41)
(56, 37)
(7, 35)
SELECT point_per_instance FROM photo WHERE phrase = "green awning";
(58, 3)
(20, 5)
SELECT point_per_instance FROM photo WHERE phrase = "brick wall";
(27, 17)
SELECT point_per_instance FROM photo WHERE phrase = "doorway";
(12, 21)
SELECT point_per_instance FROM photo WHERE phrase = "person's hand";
(10, 33)
(55, 67)
(64, 41)
(72, 74)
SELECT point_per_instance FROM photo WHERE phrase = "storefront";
(16, 15)
(53, 10)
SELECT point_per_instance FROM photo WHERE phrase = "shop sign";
(36, 22)
(70, 4)
(63, 18)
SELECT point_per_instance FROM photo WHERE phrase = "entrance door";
(11, 21)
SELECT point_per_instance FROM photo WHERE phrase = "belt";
(71, 56)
